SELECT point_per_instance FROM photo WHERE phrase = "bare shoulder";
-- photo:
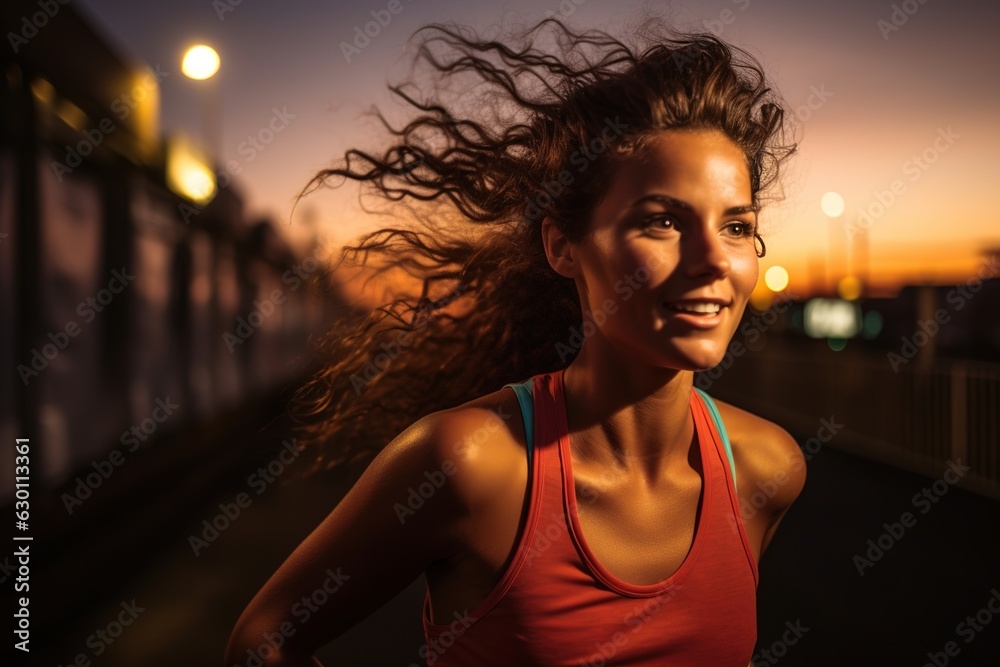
(766, 455)
(479, 445)
(414, 506)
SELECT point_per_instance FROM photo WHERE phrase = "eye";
(741, 229)
(659, 222)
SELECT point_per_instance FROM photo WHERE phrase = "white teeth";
(705, 308)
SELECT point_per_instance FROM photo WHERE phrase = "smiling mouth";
(705, 309)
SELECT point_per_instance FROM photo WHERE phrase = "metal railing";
(918, 420)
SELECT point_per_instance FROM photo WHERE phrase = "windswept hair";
(536, 135)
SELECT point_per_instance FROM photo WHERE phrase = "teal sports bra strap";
(524, 397)
(720, 428)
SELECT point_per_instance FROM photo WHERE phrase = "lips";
(697, 307)
(707, 305)
(705, 314)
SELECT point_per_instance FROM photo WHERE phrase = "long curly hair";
(528, 139)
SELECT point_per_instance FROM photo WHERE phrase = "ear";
(559, 250)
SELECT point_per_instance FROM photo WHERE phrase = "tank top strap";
(713, 410)
(527, 403)
(523, 390)
(556, 604)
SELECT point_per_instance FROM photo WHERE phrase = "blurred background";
(156, 306)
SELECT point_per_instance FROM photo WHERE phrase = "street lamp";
(832, 204)
(201, 62)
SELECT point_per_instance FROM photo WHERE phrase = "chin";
(701, 368)
(700, 360)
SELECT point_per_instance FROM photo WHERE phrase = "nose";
(705, 254)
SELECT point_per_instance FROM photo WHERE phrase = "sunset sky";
(913, 99)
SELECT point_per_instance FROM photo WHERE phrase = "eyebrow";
(678, 203)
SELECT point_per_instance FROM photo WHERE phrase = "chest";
(639, 537)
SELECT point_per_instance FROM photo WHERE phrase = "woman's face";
(670, 262)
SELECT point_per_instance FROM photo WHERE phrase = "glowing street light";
(200, 62)
(832, 204)
(849, 288)
(776, 278)
(188, 173)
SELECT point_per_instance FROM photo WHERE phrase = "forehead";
(702, 167)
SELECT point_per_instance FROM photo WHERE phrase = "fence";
(913, 419)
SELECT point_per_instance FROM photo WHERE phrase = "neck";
(628, 416)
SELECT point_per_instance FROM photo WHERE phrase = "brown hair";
(532, 143)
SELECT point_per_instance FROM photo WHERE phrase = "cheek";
(612, 263)
(745, 271)
(634, 260)
(643, 258)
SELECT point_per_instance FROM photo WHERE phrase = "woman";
(569, 496)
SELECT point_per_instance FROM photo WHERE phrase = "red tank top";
(556, 605)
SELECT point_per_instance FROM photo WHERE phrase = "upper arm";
(402, 514)
(781, 471)
(771, 469)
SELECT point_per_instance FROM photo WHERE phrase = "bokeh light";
(849, 287)
(200, 62)
(871, 324)
(776, 278)
(832, 204)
